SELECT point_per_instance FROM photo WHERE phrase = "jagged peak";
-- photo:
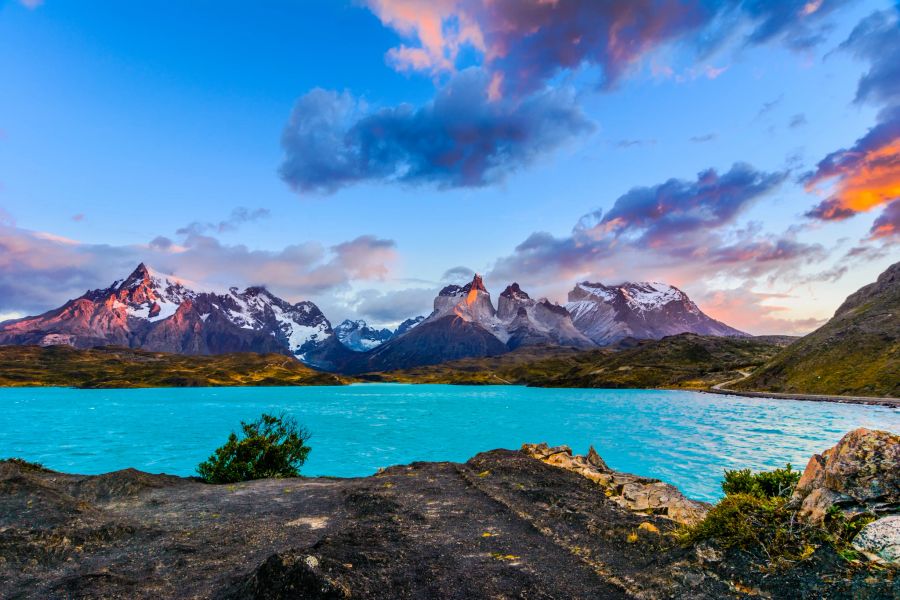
(475, 284)
(514, 291)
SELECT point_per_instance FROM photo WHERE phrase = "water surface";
(685, 438)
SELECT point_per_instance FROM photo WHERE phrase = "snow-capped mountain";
(161, 312)
(407, 325)
(358, 336)
(530, 322)
(518, 320)
(644, 310)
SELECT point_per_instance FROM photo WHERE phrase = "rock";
(637, 494)
(859, 474)
(880, 540)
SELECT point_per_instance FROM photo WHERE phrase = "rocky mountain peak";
(515, 292)
(476, 284)
(140, 276)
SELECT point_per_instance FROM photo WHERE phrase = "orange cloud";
(864, 177)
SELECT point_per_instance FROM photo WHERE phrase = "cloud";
(702, 139)
(458, 275)
(798, 120)
(680, 228)
(525, 43)
(887, 225)
(32, 4)
(459, 139)
(749, 310)
(659, 214)
(864, 176)
(867, 175)
(238, 217)
(39, 271)
(391, 307)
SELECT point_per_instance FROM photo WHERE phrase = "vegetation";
(856, 353)
(271, 446)
(779, 483)
(26, 465)
(111, 367)
(685, 361)
(756, 517)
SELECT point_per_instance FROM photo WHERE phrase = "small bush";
(779, 483)
(271, 446)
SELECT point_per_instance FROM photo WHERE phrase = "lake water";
(685, 438)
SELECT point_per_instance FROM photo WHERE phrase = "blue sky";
(150, 130)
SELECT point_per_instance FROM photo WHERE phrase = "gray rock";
(880, 540)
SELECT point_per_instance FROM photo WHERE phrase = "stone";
(880, 540)
(636, 494)
(859, 474)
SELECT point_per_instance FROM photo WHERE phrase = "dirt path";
(720, 388)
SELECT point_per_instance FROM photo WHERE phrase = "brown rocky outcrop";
(637, 494)
(859, 474)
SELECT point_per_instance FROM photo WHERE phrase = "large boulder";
(637, 494)
(860, 474)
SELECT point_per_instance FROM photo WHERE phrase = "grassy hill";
(111, 367)
(682, 361)
(856, 353)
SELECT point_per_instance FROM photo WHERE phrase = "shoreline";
(866, 400)
(859, 400)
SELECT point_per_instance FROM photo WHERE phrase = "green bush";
(271, 446)
(779, 483)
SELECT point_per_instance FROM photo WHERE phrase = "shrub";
(271, 446)
(755, 516)
(779, 483)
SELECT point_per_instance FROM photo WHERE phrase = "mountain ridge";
(155, 311)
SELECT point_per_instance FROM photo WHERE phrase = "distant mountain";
(857, 352)
(158, 312)
(358, 336)
(645, 310)
(465, 324)
(407, 325)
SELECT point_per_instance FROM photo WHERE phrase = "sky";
(364, 154)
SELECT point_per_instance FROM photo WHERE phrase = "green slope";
(856, 353)
(681, 361)
(111, 367)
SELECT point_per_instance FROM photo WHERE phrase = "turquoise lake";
(684, 438)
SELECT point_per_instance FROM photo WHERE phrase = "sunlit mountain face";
(320, 177)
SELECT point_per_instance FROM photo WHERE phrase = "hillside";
(857, 352)
(112, 367)
(681, 361)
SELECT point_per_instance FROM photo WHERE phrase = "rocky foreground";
(534, 523)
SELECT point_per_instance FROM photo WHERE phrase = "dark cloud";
(460, 139)
(769, 106)
(678, 226)
(877, 40)
(656, 215)
(887, 225)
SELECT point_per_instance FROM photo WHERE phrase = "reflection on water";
(684, 438)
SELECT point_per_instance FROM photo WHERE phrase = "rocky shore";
(535, 523)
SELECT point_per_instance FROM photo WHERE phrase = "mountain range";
(158, 312)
